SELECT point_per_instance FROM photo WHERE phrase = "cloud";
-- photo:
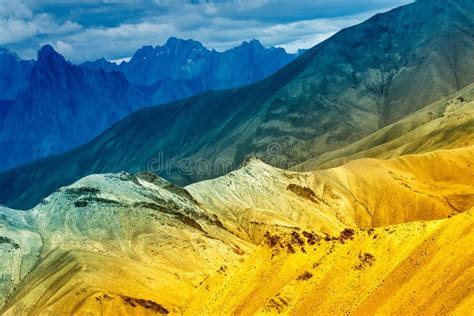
(15, 29)
(13, 8)
(116, 28)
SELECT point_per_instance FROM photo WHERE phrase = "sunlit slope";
(79, 281)
(364, 193)
(258, 197)
(20, 248)
(259, 239)
(419, 268)
(110, 243)
(448, 123)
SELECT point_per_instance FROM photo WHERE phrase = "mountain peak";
(46, 49)
(6, 51)
(50, 64)
(47, 52)
(174, 41)
(255, 44)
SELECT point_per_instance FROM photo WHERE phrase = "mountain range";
(52, 105)
(185, 60)
(343, 184)
(63, 106)
(325, 100)
(258, 240)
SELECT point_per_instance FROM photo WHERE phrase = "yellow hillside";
(363, 193)
(420, 268)
(259, 240)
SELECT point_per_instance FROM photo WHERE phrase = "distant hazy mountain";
(14, 74)
(61, 105)
(186, 67)
(363, 78)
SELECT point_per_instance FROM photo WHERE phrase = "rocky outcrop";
(133, 225)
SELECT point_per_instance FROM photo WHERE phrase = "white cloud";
(219, 24)
(14, 29)
(14, 8)
(63, 48)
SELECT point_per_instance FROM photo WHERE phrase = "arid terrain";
(370, 236)
(374, 216)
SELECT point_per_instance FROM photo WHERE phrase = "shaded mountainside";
(63, 106)
(57, 106)
(14, 74)
(448, 123)
(137, 244)
(344, 89)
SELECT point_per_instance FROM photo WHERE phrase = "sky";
(89, 29)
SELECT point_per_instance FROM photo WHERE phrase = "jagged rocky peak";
(182, 59)
(14, 73)
(47, 52)
(6, 52)
(174, 42)
(49, 61)
(145, 50)
(49, 68)
(254, 44)
(172, 45)
(101, 63)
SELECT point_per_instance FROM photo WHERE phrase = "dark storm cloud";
(115, 28)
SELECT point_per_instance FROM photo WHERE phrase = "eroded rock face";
(364, 193)
(92, 237)
(20, 250)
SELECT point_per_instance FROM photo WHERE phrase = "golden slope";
(363, 193)
(408, 269)
(115, 244)
(252, 242)
(413, 187)
(83, 282)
